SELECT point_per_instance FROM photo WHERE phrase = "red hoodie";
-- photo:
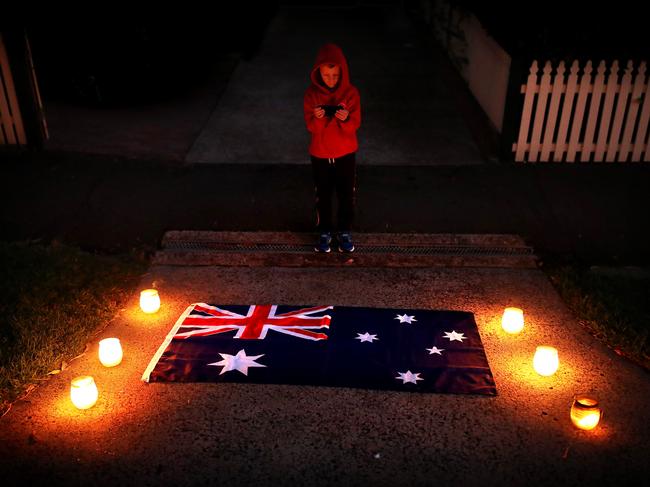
(329, 136)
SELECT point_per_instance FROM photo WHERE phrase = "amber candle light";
(149, 301)
(110, 352)
(512, 320)
(83, 392)
(546, 361)
(585, 412)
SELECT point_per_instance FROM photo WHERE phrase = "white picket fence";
(11, 123)
(577, 118)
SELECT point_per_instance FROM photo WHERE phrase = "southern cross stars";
(435, 349)
(409, 376)
(239, 362)
(366, 337)
(405, 318)
(455, 336)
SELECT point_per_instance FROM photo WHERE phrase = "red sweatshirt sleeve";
(314, 125)
(353, 105)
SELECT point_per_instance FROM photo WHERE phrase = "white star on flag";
(239, 362)
(366, 337)
(405, 318)
(409, 376)
(455, 336)
(434, 349)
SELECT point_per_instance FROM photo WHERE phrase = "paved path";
(408, 113)
(162, 131)
(204, 434)
(412, 102)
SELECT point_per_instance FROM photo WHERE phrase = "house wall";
(487, 71)
(481, 61)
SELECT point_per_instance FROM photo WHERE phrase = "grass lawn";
(613, 303)
(53, 300)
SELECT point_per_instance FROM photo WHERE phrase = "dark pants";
(329, 175)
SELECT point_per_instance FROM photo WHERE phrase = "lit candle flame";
(110, 352)
(546, 361)
(83, 392)
(149, 300)
(512, 320)
(585, 413)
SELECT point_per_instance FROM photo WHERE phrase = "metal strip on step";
(361, 249)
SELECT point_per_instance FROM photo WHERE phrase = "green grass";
(614, 307)
(53, 299)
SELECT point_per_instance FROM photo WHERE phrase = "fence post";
(15, 41)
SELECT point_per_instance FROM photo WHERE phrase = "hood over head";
(330, 54)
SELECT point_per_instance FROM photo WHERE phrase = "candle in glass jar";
(149, 300)
(585, 412)
(546, 361)
(512, 320)
(83, 392)
(110, 352)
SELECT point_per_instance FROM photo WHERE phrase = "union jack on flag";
(382, 348)
(206, 320)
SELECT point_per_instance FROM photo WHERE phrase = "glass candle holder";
(110, 352)
(149, 300)
(83, 392)
(512, 320)
(546, 360)
(585, 412)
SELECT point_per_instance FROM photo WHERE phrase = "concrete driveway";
(207, 434)
(409, 115)
(249, 109)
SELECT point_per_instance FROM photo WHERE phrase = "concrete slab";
(597, 212)
(203, 434)
(164, 130)
(408, 113)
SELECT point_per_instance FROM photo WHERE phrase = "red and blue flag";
(381, 348)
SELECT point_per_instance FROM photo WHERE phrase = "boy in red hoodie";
(333, 115)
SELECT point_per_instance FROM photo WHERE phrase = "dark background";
(121, 57)
(565, 29)
(108, 61)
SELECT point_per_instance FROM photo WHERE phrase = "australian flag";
(381, 348)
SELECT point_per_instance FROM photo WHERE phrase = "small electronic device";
(330, 110)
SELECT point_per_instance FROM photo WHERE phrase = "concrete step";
(288, 249)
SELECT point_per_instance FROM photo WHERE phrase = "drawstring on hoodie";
(331, 160)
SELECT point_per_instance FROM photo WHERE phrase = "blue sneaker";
(345, 242)
(323, 244)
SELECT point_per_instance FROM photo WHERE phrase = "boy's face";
(330, 74)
